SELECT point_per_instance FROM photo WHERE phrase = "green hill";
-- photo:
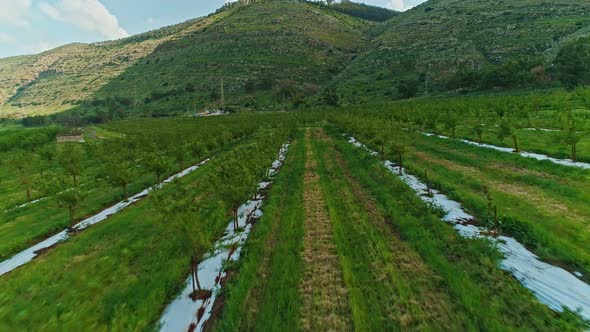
(265, 53)
(60, 78)
(435, 40)
(277, 54)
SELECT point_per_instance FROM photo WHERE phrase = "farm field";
(36, 202)
(342, 243)
(280, 165)
(119, 258)
(362, 251)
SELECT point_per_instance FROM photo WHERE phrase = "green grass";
(26, 226)
(22, 227)
(120, 274)
(488, 298)
(377, 266)
(549, 198)
(403, 267)
(531, 141)
(264, 295)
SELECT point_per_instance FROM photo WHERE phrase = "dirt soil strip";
(325, 305)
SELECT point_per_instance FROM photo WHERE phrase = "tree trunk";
(196, 274)
(515, 140)
(193, 273)
(427, 183)
(125, 191)
(236, 223)
(401, 164)
(28, 195)
(71, 215)
(496, 223)
(382, 152)
(574, 157)
(479, 138)
(75, 181)
(453, 131)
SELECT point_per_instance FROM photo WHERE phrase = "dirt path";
(325, 305)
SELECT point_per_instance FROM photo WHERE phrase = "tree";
(176, 211)
(572, 131)
(234, 182)
(572, 64)
(451, 121)
(330, 97)
(478, 130)
(250, 86)
(380, 141)
(70, 199)
(509, 126)
(157, 164)
(179, 153)
(408, 88)
(197, 149)
(21, 164)
(399, 145)
(47, 154)
(119, 172)
(71, 159)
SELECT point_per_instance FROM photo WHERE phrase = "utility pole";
(426, 80)
(222, 96)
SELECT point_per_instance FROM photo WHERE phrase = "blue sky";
(33, 26)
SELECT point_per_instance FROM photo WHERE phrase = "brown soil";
(200, 294)
(218, 304)
(324, 295)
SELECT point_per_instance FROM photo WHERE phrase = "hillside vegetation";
(60, 78)
(280, 54)
(427, 46)
(266, 53)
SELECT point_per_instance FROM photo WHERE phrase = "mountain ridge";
(277, 54)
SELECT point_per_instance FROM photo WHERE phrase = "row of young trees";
(389, 137)
(503, 116)
(69, 172)
(233, 179)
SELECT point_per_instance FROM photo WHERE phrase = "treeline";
(570, 69)
(26, 139)
(504, 116)
(360, 10)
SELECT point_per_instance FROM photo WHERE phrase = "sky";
(34, 26)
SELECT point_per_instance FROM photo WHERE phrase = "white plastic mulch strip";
(27, 204)
(184, 313)
(552, 285)
(29, 254)
(564, 162)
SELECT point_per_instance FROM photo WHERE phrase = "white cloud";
(39, 47)
(403, 5)
(6, 38)
(15, 12)
(397, 5)
(50, 11)
(90, 15)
